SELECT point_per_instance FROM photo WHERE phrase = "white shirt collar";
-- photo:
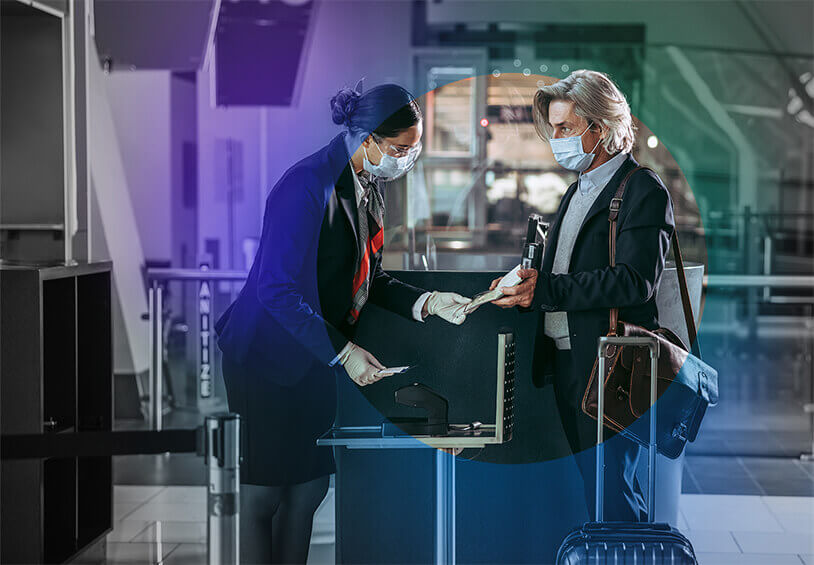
(601, 175)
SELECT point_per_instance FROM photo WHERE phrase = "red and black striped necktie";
(371, 240)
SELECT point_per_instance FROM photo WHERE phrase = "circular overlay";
(483, 170)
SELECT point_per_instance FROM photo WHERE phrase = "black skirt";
(280, 424)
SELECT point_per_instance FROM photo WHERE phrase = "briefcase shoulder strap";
(692, 332)
(613, 215)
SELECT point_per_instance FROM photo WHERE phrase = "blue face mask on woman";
(569, 153)
(389, 167)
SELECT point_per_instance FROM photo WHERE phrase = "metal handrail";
(155, 300)
(156, 275)
(710, 281)
(748, 281)
(165, 274)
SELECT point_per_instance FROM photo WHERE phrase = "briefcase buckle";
(615, 204)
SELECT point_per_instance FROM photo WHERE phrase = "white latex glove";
(448, 306)
(361, 366)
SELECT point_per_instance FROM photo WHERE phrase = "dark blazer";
(592, 287)
(291, 312)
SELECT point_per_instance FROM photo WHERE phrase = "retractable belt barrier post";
(218, 440)
(223, 492)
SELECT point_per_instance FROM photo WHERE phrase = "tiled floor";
(765, 530)
(748, 475)
(167, 525)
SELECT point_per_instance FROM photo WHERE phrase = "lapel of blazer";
(602, 202)
(344, 188)
(554, 232)
(346, 194)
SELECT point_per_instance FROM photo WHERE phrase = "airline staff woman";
(290, 330)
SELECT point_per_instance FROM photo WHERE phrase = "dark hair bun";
(343, 105)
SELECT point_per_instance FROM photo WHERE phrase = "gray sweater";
(589, 187)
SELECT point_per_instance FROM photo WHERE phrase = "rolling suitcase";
(622, 543)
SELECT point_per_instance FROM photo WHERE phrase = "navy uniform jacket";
(290, 314)
(591, 287)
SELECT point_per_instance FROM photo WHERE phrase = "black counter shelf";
(56, 374)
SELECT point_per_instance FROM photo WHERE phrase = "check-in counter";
(514, 502)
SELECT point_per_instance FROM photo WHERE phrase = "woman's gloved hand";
(362, 367)
(448, 306)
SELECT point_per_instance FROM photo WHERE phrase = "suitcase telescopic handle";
(653, 346)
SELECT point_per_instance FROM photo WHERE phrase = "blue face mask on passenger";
(569, 153)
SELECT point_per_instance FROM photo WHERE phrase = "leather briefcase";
(686, 385)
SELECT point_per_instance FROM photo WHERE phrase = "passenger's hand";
(448, 306)
(452, 450)
(521, 294)
(362, 367)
